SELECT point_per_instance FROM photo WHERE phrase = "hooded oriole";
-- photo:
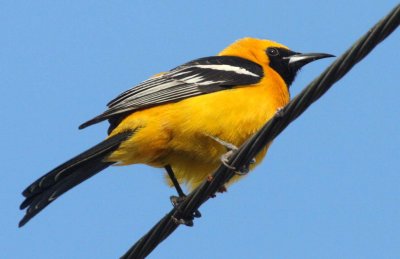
(184, 119)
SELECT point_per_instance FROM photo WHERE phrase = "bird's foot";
(225, 157)
(188, 221)
(242, 171)
(181, 221)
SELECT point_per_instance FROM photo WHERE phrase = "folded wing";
(201, 76)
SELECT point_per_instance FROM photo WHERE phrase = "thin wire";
(266, 134)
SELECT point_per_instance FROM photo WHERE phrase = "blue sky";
(329, 187)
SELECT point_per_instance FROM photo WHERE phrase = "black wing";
(201, 76)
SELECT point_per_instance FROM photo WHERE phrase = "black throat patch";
(279, 61)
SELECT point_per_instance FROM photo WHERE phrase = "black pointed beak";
(298, 60)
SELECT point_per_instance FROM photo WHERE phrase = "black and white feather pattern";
(201, 76)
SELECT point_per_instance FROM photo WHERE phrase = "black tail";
(66, 176)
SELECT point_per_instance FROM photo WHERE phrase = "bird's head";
(273, 55)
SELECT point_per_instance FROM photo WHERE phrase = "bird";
(185, 120)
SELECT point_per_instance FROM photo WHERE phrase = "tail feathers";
(66, 176)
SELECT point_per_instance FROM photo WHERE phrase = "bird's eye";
(272, 52)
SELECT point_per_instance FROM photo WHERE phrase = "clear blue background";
(329, 187)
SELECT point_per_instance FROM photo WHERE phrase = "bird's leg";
(176, 200)
(225, 157)
(174, 181)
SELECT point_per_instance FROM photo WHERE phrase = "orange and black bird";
(185, 119)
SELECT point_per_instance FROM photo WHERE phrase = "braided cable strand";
(267, 133)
